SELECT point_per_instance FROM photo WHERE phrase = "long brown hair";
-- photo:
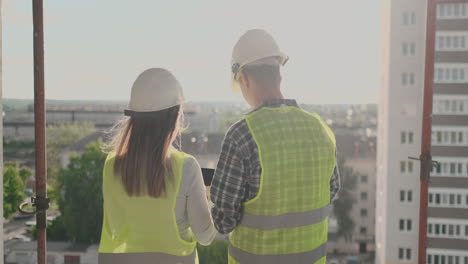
(142, 145)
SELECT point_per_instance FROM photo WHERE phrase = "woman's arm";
(198, 213)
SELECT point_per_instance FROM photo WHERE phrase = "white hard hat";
(258, 47)
(155, 89)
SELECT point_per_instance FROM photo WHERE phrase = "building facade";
(448, 188)
(399, 134)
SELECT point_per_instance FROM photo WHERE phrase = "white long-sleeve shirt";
(192, 210)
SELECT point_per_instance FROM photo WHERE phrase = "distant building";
(360, 154)
(399, 134)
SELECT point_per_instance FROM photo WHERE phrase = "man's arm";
(228, 186)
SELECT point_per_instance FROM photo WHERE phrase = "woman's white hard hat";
(154, 90)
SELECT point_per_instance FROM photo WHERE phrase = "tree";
(58, 138)
(81, 200)
(13, 188)
(342, 207)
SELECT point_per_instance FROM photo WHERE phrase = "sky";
(94, 50)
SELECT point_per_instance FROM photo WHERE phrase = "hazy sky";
(95, 49)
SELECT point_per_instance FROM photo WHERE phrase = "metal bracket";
(426, 164)
(41, 204)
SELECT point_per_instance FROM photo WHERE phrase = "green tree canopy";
(13, 188)
(342, 207)
(58, 138)
(81, 201)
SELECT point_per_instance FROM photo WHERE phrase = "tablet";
(207, 175)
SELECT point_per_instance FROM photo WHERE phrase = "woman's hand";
(207, 190)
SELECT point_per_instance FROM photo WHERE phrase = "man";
(277, 172)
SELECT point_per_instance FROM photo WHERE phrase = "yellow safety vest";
(143, 227)
(287, 222)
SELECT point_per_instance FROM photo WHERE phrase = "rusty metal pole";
(426, 158)
(39, 128)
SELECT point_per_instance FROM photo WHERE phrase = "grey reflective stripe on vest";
(146, 257)
(270, 222)
(310, 257)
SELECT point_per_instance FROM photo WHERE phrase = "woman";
(155, 208)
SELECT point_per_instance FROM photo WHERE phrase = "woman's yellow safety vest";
(287, 222)
(142, 229)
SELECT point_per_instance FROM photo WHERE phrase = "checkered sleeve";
(228, 186)
(335, 184)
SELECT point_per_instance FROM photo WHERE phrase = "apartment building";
(400, 132)
(448, 188)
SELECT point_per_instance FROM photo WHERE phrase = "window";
(404, 79)
(403, 137)
(450, 72)
(402, 196)
(440, 74)
(410, 137)
(405, 18)
(439, 137)
(410, 196)
(413, 18)
(408, 18)
(410, 166)
(408, 49)
(402, 256)
(401, 253)
(402, 166)
(363, 178)
(363, 212)
(404, 49)
(363, 230)
(450, 135)
(408, 254)
(451, 11)
(402, 224)
(363, 196)
(411, 79)
(412, 49)
(405, 225)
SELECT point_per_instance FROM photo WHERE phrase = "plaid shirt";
(237, 176)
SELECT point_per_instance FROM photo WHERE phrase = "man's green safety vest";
(143, 228)
(287, 222)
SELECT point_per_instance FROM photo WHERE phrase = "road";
(15, 227)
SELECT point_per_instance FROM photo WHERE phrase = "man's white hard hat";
(154, 90)
(254, 47)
